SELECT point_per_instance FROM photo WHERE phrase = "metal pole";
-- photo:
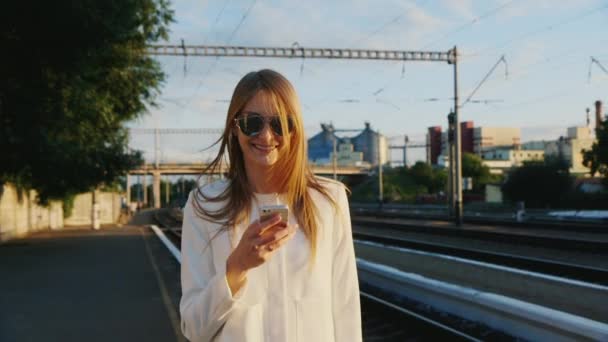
(139, 188)
(380, 181)
(450, 146)
(128, 189)
(335, 159)
(406, 140)
(167, 191)
(457, 153)
(145, 180)
(156, 148)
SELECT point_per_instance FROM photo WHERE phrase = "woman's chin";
(265, 161)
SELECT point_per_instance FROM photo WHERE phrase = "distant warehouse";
(360, 149)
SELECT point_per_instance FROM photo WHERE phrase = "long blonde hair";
(291, 172)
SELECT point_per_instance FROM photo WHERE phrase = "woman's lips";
(264, 148)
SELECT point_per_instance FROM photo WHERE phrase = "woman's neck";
(260, 181)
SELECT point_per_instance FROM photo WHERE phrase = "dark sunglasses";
(251, 123)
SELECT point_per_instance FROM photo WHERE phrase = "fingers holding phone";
(263, 237)
(278, 235)
(274, 237)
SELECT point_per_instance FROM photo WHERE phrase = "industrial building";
(570, 147)
(501, 147)
(475, 140)
(366, 147)
(501, 159)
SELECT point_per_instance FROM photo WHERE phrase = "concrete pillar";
(167, 190)
(95, 211)
(128, 191)
(156, 188)
(145, 185)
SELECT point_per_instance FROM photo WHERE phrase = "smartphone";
(268, 210)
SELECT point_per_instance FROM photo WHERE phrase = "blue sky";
(547, 46)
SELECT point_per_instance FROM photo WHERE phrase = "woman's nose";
(266, 132)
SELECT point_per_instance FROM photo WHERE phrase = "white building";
(502, 159)
(346, 155)
(569, 147)
(494, 145)
(485, 138)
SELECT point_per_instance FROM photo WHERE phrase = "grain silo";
(321, 145)
(367, 142)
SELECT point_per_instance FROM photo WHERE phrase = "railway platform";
(113, 284)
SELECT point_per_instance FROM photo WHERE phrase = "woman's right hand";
(258, 243)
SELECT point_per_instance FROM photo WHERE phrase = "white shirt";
(283, 299)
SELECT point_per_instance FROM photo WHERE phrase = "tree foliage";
(403, 184)
(538, 184)
(73, 73)
(596, 159)
(473, 167)
(424, 174)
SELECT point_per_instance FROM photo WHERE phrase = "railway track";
(573, 241)
(382, 319)
(534, 222)
(551, 267)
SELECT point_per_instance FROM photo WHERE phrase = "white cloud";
(461, 8)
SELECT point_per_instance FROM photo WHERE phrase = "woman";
(246, 279)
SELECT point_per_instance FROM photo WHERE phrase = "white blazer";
(283, 299)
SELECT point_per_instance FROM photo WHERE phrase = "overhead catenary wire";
(562, 93)
(597, 62)
(386, 24)
(216, 59)
(538, 31)
(238, 26)
(524, 71)
(472, 22)
(470, 100)
(219, 15)
(481, 17)
(380, 29)
(501, 60)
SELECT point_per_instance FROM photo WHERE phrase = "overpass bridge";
(159, 169)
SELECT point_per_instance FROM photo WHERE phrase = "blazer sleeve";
(346, 305)
(206, 301)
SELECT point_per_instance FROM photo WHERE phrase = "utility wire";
(488, 14)
(238, 26)
(215, 61)
(501, 60)
(474, 21)
(539, 31)
(567, 92)
(594, 60)
(386, 24)
(219, 15)
(378, 30)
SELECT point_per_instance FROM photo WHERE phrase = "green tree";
(422, 173)
(472, 166)
(596, 159)
(433, 179)
(73, 73)
(538, 184)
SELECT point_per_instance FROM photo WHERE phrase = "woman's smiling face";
(260, 151)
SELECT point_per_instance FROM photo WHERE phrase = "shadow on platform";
(114, 284)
